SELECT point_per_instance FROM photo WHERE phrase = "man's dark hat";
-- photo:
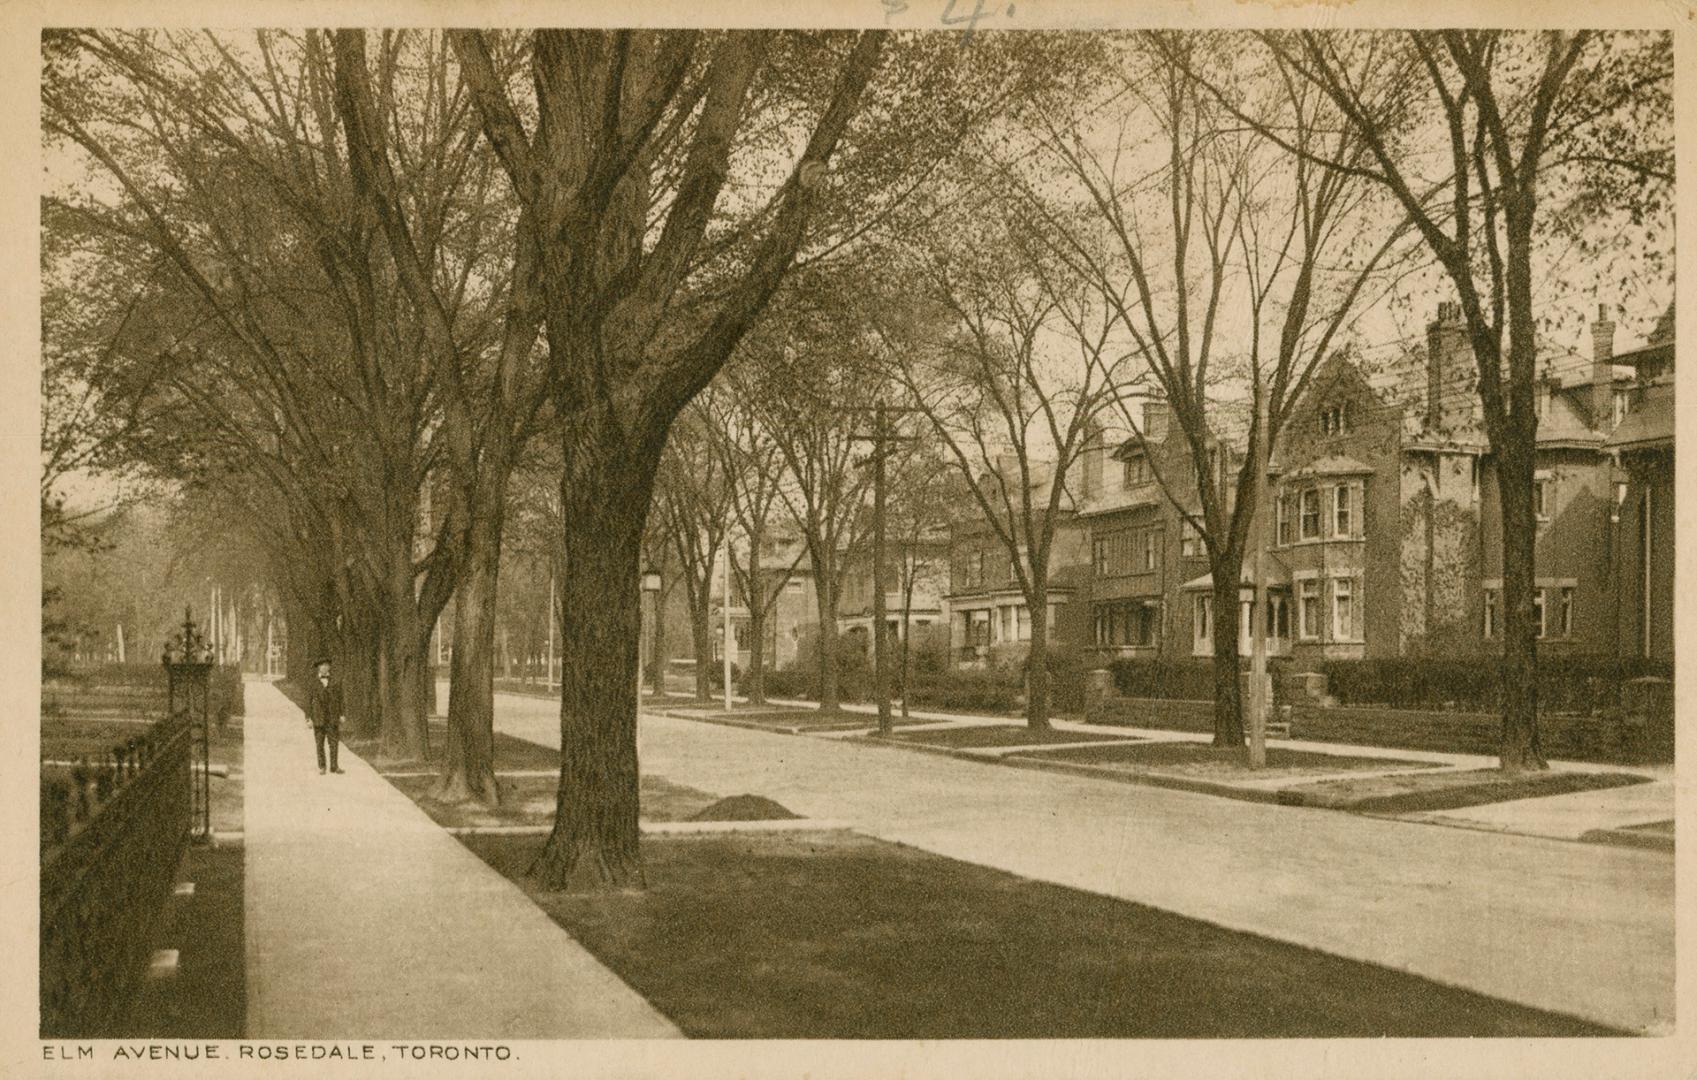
(320, 660)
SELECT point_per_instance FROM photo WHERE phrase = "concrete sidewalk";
(365, 919)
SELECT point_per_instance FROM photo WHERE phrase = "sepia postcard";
(900, 538)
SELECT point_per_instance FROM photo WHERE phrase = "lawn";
(66, 738)
(510, 752)
(207, 998)
(1205, 761)
(786, 719)
(964, 738)
(837, 935)
(529, 776)
(1657, 828)
(529, 800)
(1452, 789)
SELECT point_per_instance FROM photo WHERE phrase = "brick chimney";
(1091, 461)
(1156, 417)
(1602, 370)
(1449, 360)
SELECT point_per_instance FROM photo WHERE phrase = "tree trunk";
(595, 843)
(1228, 695)
(1520, 748)
(468, 755)
(358, 662)
(1037, 664)
(405, 668)
(701, 629)
(907, 636)
(755, 679)
(657, 662)
(830, 698)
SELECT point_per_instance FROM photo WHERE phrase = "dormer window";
(1137, 471)
(1334, 420)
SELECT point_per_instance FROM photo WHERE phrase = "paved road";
(366, 920)
(1576, 928)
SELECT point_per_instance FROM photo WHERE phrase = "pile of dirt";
(744, 808)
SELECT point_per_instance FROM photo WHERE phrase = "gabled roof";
(1649, 425)
(1277, 573)
(1566, 420)
(1333, 465)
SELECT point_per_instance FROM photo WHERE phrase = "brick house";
(989, 622)
(926, 562)
(1641, 512)
(1386, 536)
(1149, 585)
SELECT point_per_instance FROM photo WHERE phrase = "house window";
(1204, 623)
(1343, 609)
(1146, 543)
(1126, 623)
(1539, 611)
(1308, 609)
(1310, 514)
(1493, 616)
(1540, 499)
(793, 585)
(1567, 611)
(1335, 420)
(1117, 553)
(1341, 510)
(1189, 540)
(1281, 516)
(1147, 616)
(1137, 472)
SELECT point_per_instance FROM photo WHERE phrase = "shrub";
(1584, 685)
(800, 678)
(1185, 680)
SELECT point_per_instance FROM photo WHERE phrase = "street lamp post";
(650, 587)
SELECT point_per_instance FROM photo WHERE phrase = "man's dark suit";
(324, 710)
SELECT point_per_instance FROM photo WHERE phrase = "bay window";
(1308, 609)
(1343, 609)
(1202, 624)
(1310, 514)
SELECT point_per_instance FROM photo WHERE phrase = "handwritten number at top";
(970, 19)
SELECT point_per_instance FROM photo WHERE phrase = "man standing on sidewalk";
(324, 713)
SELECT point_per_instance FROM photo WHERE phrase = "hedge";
(116, 681)
(992, 690)
(1575, 738)
(1579, 685)
(1187, 680)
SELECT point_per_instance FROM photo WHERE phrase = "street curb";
(1629, 838)
(1095, 772)
(672, 828)
(726, 721)
(1160, 780)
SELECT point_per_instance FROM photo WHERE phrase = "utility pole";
(726, 609)
(880, 440)
(1258, 610)
(880, 646)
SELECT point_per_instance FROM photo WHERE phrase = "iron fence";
(112, 835)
